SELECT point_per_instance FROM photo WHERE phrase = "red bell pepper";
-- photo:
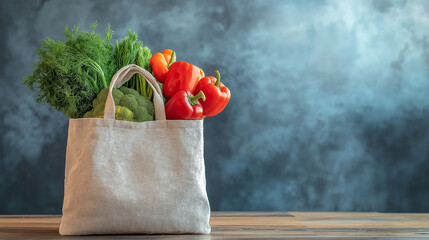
(181, 76)
(217, 95)
(184, 106)
(160, 63)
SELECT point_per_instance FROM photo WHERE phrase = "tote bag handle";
(122, 76)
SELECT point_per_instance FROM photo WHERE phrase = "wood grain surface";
(253, 225)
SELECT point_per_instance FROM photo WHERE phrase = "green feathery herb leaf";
(69, 75)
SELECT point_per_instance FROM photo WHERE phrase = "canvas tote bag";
(127, 177)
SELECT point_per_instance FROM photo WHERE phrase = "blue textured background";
(329, 108)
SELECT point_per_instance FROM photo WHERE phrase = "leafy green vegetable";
(130, 51)
(70, 74)
(130, 105)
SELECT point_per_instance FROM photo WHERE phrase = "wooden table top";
(252, 225)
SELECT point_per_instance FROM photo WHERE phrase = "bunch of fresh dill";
(70, 74)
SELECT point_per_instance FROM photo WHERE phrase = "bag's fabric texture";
(125, 177)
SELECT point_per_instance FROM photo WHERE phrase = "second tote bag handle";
(122, 76)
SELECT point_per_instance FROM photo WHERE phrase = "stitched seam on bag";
(91, 127)
(125, 125)
(136, 127)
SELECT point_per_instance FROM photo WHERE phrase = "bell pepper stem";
(172, 59)
(218, 78)
(193, 100)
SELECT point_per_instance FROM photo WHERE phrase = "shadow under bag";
(135, 177)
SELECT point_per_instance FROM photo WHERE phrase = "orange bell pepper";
(160, 63)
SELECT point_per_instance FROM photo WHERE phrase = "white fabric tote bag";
(126, 177)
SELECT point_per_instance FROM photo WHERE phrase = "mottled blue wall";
(329, 108)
